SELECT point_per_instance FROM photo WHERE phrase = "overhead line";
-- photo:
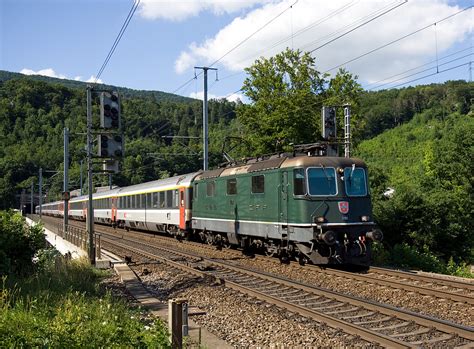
(422, 71)
(422, 65)
(302, 30)
(399, 39)
(239, 44)
(118, 38)
(357, 27)
(438, 72)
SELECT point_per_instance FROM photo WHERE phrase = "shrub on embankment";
(62, 304)
(19, 243)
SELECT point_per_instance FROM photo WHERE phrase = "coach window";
(176, 199)
(169, 198)
(148, 200)
(162, 199)
(232, 186)
(298, 181)
(258, 184)
(211, 188)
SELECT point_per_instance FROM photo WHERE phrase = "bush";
(408, 257)
(64, 307)
(18, 243)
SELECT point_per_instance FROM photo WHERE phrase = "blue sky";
(165, 39)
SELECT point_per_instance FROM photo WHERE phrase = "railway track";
(374, 322)
(453, 290)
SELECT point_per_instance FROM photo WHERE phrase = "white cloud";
(403, 55)
(180, 10)
(200, 95)
(92, 79)
(46, 72)
(52, 74)
(234, 97)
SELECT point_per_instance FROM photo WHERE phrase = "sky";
(390, 43)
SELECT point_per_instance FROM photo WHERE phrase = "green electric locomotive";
(296, 206)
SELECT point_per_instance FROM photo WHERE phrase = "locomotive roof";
(160, 184)
(282, 162)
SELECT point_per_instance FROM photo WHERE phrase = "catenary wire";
(398, 39)
(378, 13)
(118, 38)
(357, 27)
(417, 67)
(239, 44)
(419, 72)
(435, 73)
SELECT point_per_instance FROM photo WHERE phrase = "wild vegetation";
(416, 140)
(56, 303)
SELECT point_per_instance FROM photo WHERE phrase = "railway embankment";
(56, 302)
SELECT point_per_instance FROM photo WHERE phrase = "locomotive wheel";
(301, 259)
(269, 253)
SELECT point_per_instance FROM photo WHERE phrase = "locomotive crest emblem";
(343, 207)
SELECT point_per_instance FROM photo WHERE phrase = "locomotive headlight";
(320, 219)
(375, 235)
(328, 237)
(365, 218)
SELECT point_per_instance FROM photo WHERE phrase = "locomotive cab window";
(322, 181)
(298, 182)
(355, 181)
(232, 186)
(258, 184)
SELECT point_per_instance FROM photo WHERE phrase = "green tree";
(285, 93)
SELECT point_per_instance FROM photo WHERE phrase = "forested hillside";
(428, 162)
(418, 141)
(33, 114)
(124, 91)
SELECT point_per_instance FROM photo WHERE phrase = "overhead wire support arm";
(205, 132)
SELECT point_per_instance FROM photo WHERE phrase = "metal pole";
(347, 131)
(90, 209)
(205, 132)
(81, 177)
(40, 192)
(32, 206)
(204, 125)
(110, 181)
(66, 178)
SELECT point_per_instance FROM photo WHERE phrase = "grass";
(64, 306)
(408, 257)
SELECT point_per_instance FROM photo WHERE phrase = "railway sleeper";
(412, 333)
(393, 327)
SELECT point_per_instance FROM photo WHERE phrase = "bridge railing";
(79, 237)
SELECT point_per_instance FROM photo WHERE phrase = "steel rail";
(421, 289)
(421, 320)
(366, 334)
(426, 278)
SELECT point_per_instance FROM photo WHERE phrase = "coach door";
(283, 200)
(114, 209)
(182, 209)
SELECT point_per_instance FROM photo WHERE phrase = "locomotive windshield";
(355, 182)
(322, 181)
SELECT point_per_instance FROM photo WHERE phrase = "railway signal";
(328, 115)
(110, 146)
(110, 110)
